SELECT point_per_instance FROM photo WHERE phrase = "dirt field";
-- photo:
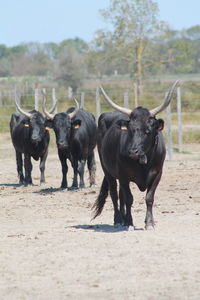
(50, 248)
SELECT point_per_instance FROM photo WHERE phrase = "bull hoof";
(149, 227)
(73, 188)
(131, 228)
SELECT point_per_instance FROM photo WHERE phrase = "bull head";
(153, 112)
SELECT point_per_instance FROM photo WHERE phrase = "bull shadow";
(11, 184)
(45, 190)
(105, 228)
(49, 190)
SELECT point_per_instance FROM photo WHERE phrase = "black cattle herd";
(129, 142)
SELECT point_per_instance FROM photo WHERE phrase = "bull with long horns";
(30, 137)
(131, 149)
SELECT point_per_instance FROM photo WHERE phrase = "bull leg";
(75, 178)
(128, 198)
(92, 168)
(28, 169)
(63, 161)
(118, 220)
(149, 220)
(122, 203)
(81, 168)
(20, 167)
(42, 167)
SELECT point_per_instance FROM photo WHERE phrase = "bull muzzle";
(62, 145)
(137, 155)
(36, 139)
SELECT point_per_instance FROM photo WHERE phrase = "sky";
(23, 21)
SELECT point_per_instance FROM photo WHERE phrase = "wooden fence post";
(169, 132)
(180, 132)
(126, 100)
(135, 94)
(98, 105)
(17, 98)
(82, 104)
(1, 99)
(54, 100)
(36, 99)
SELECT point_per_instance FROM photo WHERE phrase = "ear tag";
(26, 125)
(77, 126)
(124, 128)
(47, 128)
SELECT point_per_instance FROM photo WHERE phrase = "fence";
(33, 99)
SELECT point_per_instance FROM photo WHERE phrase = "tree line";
(138, 44)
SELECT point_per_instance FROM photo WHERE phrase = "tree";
(135, 23)
(70, 71)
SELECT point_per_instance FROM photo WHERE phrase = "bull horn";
(54, 107)
(166, 101)
(72, 114)
(51, 111)
(23, 112)
(113, 105)
(49, 115)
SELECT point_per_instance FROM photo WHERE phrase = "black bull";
(131, 149)
(76, 134)
(29, 137)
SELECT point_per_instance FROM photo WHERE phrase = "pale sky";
(56, 20)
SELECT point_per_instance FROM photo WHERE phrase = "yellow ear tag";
(48, 128)
(124, 128)
(77, 126)
(26, 125)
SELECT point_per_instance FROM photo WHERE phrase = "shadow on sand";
(49, 190)
(11, 184)
(106, 228)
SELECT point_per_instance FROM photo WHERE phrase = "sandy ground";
(50, 248)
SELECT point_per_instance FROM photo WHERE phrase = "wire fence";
(182, 116)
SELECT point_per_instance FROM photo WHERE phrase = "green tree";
(134, 24)
(70, 68)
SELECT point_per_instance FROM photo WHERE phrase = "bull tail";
(101, 200)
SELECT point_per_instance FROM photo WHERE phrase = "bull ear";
(48, 124)
(26, 123)
(160, 124)
(76, 124)
(123, 124)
